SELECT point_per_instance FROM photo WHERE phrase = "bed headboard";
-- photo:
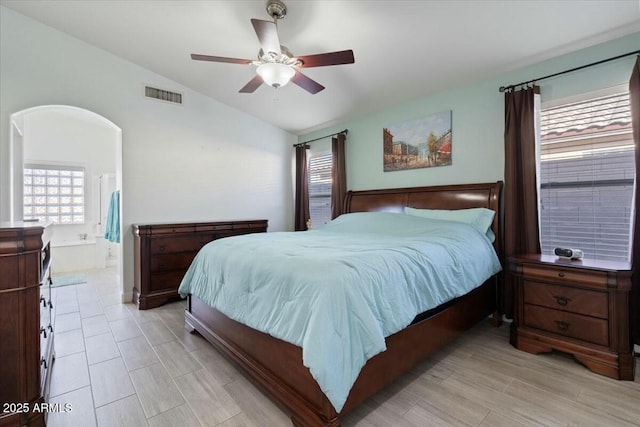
(462, 196)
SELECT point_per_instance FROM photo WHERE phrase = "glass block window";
(54, 193)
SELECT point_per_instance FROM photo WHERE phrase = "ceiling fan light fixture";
(275, 74)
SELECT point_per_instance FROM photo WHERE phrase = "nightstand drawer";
(577, 326)
(566, 275)
(565, 298)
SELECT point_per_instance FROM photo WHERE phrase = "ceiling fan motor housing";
(276, 9)
(285, 57)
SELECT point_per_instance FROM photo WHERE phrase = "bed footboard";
(272, 364)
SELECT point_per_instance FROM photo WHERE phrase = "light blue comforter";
(338, 291)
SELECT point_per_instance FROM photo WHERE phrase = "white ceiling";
(403, 49)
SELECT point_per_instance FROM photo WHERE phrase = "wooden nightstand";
(578, 307)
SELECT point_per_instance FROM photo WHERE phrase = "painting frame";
(421, 142)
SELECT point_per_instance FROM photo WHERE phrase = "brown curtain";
(634, 96)
(302, 188)
(338, 175)
(520, 190)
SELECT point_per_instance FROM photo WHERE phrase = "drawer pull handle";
(43, 362)
(43, 301)
(560, 274)
(50, 328)
(50, 305)
(563, 326)
(43, 331)
(162, 248)
(562, 300)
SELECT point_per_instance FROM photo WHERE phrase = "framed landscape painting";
(423, 142)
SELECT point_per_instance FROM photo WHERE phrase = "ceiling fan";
(276, 65)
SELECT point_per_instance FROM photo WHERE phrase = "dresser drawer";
(46, 333)
(565, 298)
(165, 280)
(169, 245)
(566, 275)
(45, 305)
(572, 325)
(179, 261)
(239, 232)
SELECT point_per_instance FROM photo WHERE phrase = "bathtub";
(80, 254)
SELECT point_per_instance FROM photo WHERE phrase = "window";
(54, 193)
(320, 165)
(587, 176)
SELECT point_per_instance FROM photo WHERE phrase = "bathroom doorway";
(66, 167)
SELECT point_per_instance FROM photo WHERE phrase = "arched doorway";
(68, 138)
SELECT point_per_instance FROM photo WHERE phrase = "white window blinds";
(320, 165)
(587, 177)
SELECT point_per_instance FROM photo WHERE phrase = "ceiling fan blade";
(220, 59)
(323, 59)
(306, 83)
(267, 33)
(253, 84)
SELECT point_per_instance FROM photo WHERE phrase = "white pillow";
(479, 218)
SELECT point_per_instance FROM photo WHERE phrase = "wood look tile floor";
(117, 366)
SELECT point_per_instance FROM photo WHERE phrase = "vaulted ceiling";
(403, 50)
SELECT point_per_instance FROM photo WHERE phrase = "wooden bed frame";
(276, 366)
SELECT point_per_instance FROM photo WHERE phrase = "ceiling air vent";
(163, 95)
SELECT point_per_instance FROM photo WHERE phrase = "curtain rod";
(346, 131)
(505, 88)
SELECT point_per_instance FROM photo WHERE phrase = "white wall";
(198, 161)
(477, 121)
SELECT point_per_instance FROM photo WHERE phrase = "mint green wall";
(478, 119)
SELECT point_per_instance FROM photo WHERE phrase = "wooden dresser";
(26, 331)
(163, 253)
(578, 307)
